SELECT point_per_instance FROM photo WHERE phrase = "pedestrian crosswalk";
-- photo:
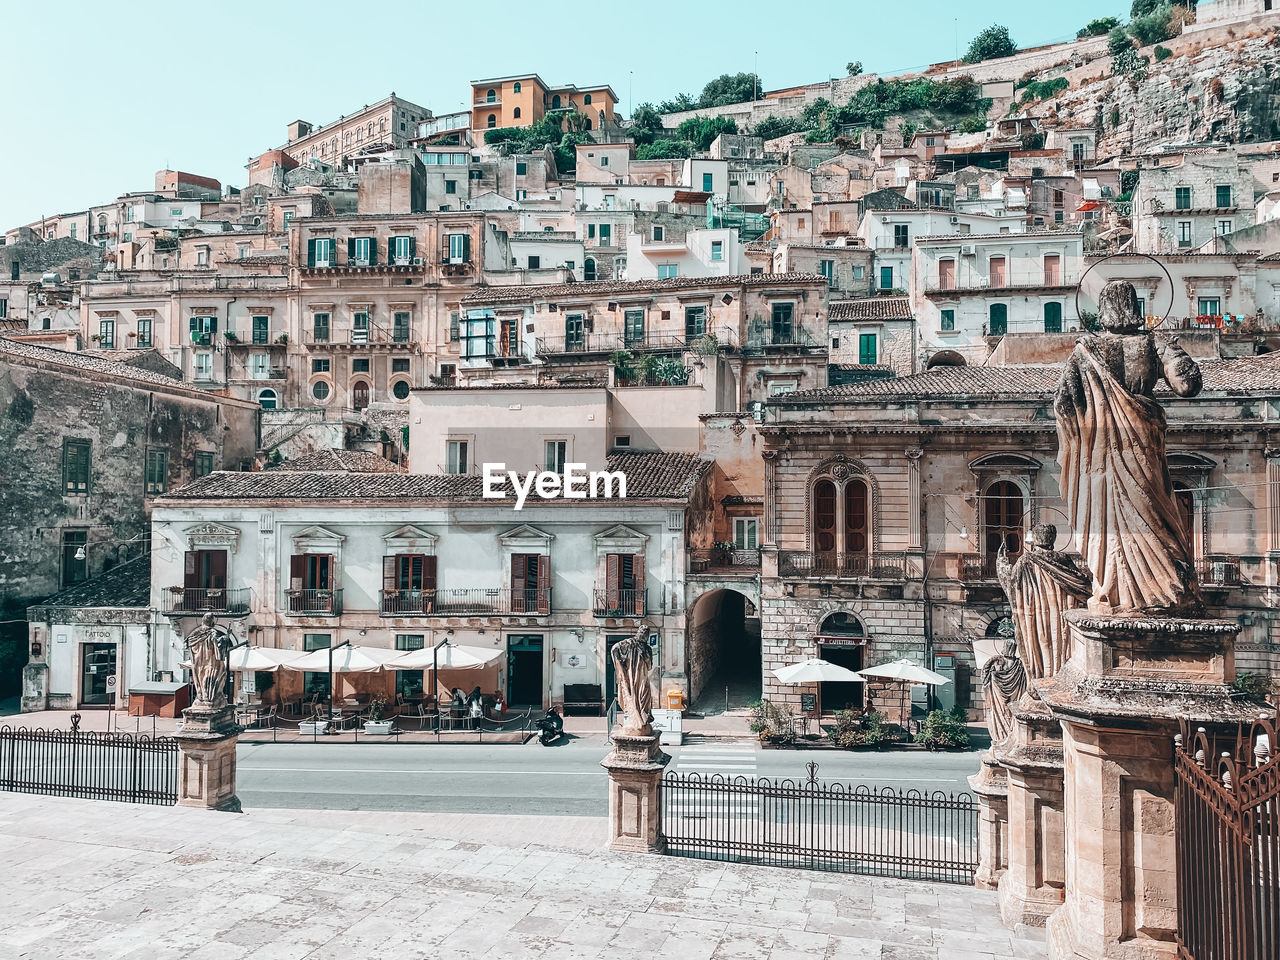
(732, 758)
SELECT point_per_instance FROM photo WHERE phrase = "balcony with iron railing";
(193, 601)
(978, 569)
(1219, 572)
(945, 287)
(790, 337)
(241, 372)
(722, 559)
(617, 602)
(842, 566)
(374, 335)
(313, 603)
(465, 601)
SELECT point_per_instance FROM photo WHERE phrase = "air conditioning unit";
(884, 219)
(983, 282)
(968, 250)
(955, 220)
(417, 261)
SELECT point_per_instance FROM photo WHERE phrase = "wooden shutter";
(297, 571)
(351, 249)
(190, 570)
(373, 251)
(428, 573)
(217, 569)
(519, 574)
(311, 253)
(824, 517)
(637, 577)
(444, 249)
(193, 326)
(612, 578)
(855, 518)
(466, 248)
(413, 247)
(544, 583)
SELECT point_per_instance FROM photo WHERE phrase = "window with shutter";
(856, 537)
(519, 579)
(638, 602)
(824, 517)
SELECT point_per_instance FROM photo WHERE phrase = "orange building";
(523, 101)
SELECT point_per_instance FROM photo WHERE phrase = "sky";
(101, 96)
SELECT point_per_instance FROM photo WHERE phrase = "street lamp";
(83, 554)
(344, 643)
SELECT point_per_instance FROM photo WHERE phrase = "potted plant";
(231, 337)
(283, 338)
(375, 725)
(313, 727)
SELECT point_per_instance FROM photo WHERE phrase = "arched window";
(587, 123)
(589, 269)
(515, 87)
(1002, 518)
(102, 224)
(491, 96)
(1185, 500)
(856, 518)
(586, 99)
(998, 320)
(824, 517)
(267, 399)
(359, 395)
(555, 101)
(493, 120)
(1053, 317)
(516, 113)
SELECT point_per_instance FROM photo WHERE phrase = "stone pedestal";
(1118, 699)
(991, 788)
(1032, 886)
(207, 759)
(635, 810)
(35, 687)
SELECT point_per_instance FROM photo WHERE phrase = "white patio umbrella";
(448, 657)
(817, 671)
(905, 672)
(351, 659)
(261, 659)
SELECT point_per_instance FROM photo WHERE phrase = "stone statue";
(207, 650)
(1115, 475)
(632, 663)
(1041, 585)
(1004, 680)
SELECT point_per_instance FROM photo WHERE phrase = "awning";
(351, 659)
(1088, 205)
(690, 196)
(447, 657)
(257, 659)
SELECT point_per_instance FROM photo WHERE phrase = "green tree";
(677, 104)
(1118, 41)
(731, 88)
(991, 43)
(1153, 27)
(973, 124)
(646, 123)
(1098, 27)
(664, 150)
(772, 126)
(701, 131)
(853, 68)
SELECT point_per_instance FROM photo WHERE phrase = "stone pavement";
(91, 880)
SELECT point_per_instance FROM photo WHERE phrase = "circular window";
(400, 390)
(320, 390)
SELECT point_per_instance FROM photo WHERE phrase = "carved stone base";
(35, 687)
(991, 788)
(635, 809)
(1118, 700)
(207, 759)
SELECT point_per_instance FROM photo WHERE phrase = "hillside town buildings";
(825, 367)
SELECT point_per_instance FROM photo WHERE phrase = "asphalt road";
(565, 780)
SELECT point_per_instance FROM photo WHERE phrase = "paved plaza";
(98, 880)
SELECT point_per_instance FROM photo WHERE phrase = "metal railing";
(620, 603)
(91, 766)
(1227, 842)
(314, 603)
(493, 601)
(231, 601)
(372, 335)
(975, 569)
(1218, 571)
(767, 337)
(701, 559)
(821, 826)
(881, 566)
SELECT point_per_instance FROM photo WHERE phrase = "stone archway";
(722, 639)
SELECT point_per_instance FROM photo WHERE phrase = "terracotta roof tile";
(126, 585)
(604, 287)
(870, 308)
(650, 476)
(355, 461)
(83, 361)
(1243, 374)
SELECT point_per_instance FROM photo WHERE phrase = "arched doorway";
(1002, 515)
(841, 640)
(723, 652)
(360, 394)
(588, 269)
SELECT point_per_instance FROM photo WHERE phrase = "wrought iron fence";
(616, 602)
(1227, 843)
(217, 600)
(92, 766)
(822, 826)
(801, 563)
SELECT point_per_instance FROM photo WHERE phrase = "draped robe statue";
(208, 664)
(632, 662)
(1041, 585)
(1115, 474)
(1004, 678)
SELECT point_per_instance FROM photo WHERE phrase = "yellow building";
(523, 101)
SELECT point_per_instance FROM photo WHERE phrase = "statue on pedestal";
(632, 663)
(1004, 680)
(1041, 584)
(1115, 474)
(207, 650)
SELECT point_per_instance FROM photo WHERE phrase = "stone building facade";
(886, 503)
